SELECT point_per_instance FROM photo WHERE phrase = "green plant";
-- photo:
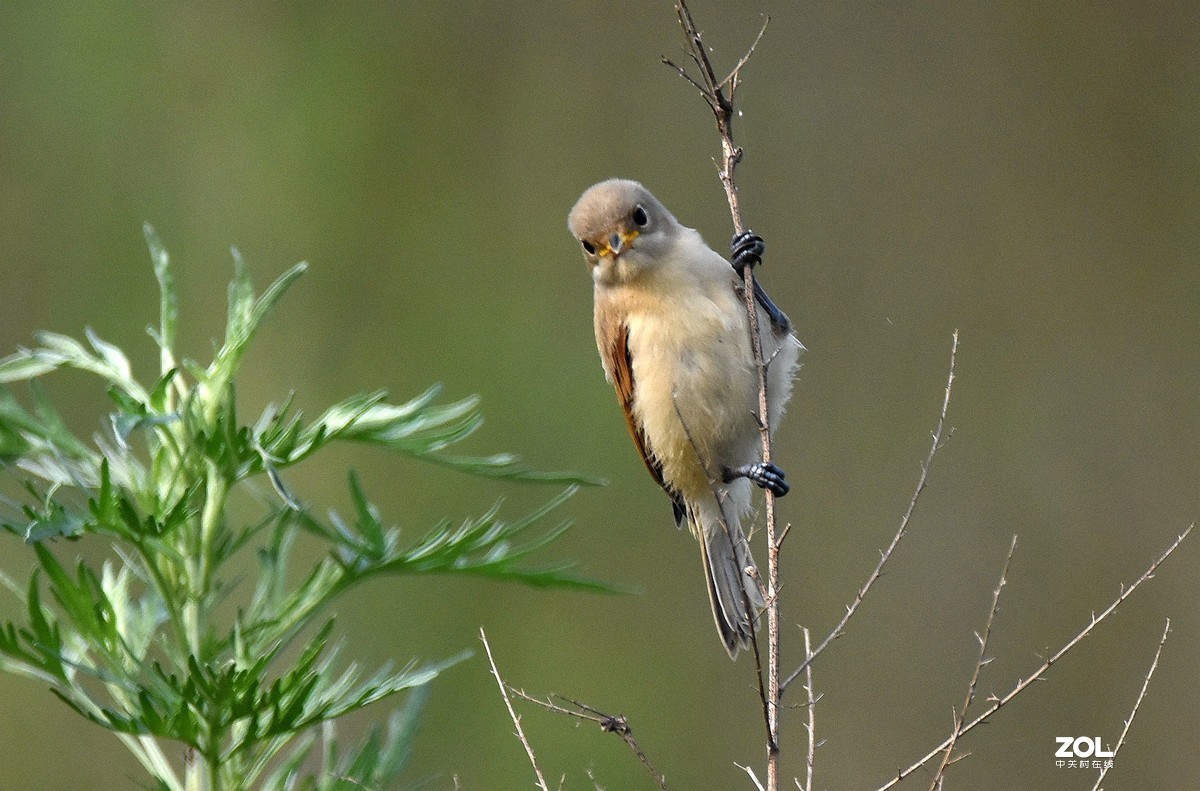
(148, 646)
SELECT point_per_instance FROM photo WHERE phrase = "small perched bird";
(674, 340)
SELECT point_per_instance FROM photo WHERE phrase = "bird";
(674, 340)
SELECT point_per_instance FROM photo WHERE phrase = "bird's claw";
(746, 249)
(766, 476)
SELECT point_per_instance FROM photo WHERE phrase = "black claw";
(746, 249)
(766, 476)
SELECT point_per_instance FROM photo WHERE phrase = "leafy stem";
(145, 644)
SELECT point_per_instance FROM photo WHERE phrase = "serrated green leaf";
(368, 525)
(483, 546)
(168, 308)
(125, 402)
(230, 693)
(285, 776)
(159, 397)
(26, 364)
(274, 291)
(55, 522)
(241, 303)
(511, 467)
(401, 734)
(44, 630)
(417, 428)
(111, 355)
(70, 350)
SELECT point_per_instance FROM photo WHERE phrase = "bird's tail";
(731, 575)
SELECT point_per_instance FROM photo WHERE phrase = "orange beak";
(617, 243)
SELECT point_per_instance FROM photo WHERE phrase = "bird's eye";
(640, 217)
(588, 247)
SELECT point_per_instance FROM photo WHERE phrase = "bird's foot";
(766, 476)
(746, 250)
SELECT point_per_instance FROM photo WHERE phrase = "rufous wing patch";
(620, 363)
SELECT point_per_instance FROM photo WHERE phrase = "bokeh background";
(1028, 173)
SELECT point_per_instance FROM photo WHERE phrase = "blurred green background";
(1028, 173)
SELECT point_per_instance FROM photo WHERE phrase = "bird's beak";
(617, 243)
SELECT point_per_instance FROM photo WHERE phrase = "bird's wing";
(618, 362)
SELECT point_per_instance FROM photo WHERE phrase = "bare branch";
(1023, 684)
(934, 446)
(753, 777)
(983, 660)
(812, 717)
(1137, 704)
(721, 104)
(732, 78)
(783, 536)
(610, 724)
(694, 45)
(541, 781)
(683, 73)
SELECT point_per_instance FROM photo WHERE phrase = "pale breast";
(695, 388)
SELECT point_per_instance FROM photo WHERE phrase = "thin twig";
(735, 76)
(983, 660)
(721, 104)
(612, 724)
(1024, 683)
(1145, 685)
(753, 777)
(934, 446)
(812, 717)
(541, 781)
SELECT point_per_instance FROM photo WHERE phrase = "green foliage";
(146, 646)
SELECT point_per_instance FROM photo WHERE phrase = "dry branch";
(935, 445)
(1136, 704)
(983, 660)
(541, 780)
(1023, 684)
(812, 716)
(719, 94)
(617, 724)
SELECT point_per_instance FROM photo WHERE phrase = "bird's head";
(622, 228)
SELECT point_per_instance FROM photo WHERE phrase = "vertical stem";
(196, 774)
(772, 542)
(720, 101)
(213, 760)
(812, 715)
(210, 520)
(199, 561)
(731, 154)
(204, 768)
(191, 615)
